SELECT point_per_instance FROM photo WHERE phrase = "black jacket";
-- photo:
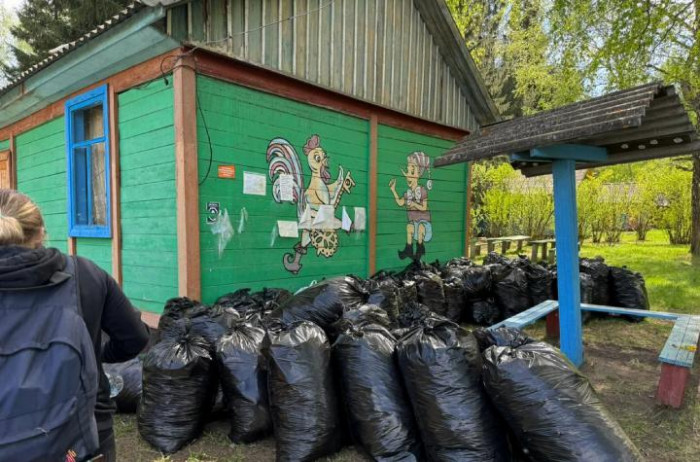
(104, 306)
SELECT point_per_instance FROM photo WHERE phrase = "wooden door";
(5, 170)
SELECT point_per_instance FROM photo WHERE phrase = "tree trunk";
(695, 197)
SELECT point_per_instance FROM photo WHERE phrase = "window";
(87, 141)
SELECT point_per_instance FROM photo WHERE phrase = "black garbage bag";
(455, 298)
(494, 258)
(270, 299)
(629, 290)
(203, 324)
(441, 368)
(303, 402)
(551, 407)
(240, 300)
(322, 303)
(408, 293)
(462, 262)
(385, 294)
(243, 375)
(587, 288)
(600, 274)
(539, 280)
(225, 316)
(131, 373)
(511, 291)
(503, 336)
(363, 315)
(413, 314)
(477, 280)
(174, 309)
(485, 311)
(431, 291)
(178, 391)
(380, 414)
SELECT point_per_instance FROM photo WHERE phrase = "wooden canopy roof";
(642, 123)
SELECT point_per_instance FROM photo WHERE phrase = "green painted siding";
(148, 202)
(241, 123)
(446, 199)
(4, 145)
(41, 174)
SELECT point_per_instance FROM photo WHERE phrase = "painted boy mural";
(415, 200)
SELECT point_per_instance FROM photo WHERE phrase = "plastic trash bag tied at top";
(600, 274)
(323, 303)
(243, 376)
(440, 366)
(178, 391)
(130, 372)
(303, 403)
(551, 407)
(629, 289)
(379, 411)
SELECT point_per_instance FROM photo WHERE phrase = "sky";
(12, 4)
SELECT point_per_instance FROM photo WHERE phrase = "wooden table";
(543, 243)
(505, 242)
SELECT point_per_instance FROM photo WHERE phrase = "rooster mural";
(316, 202)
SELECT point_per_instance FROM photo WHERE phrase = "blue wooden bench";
(676, 357)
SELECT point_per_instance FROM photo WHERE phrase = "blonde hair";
(21, 222)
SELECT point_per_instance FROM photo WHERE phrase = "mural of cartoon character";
(419, 228)
(316, 202)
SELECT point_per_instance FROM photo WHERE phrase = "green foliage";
(505, 203)
(524, 70)
(670, 187)
(45, 24)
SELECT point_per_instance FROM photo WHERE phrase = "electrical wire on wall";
(177, 63)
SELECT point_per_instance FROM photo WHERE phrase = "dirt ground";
(621, 362)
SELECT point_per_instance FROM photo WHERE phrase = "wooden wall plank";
(185, 124)
(115, 185)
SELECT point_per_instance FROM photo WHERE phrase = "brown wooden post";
(188, 251)
(552, 322)
(468, 217)
(13, 162)
(115, 185)
(72, 246)
(373, 189)
(672, 384)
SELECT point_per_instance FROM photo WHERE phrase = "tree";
(626, 42)
(46, 24)
(525, 71)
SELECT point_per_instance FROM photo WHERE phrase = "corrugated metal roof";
(641, 123)
(66, 48)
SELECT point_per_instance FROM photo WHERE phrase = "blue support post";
(566, 228)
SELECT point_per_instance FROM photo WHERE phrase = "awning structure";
(647, 122)
(642, 123)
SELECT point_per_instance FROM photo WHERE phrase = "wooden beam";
(188, 251)
(72, 246)
(373, 189)
(258, 78)
(468, 217)
(577, 152)
(672, 384)
(13, 162)
(566, 228)
(115, 184)
(135, 75)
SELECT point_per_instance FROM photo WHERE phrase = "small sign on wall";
(227, 172)
(254, 183)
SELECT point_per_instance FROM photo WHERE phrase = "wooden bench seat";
(676, 357)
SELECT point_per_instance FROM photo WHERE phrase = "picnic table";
(543, 244)
(505, 242)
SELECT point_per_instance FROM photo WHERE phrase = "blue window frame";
(87, 144)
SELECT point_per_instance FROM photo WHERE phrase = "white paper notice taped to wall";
(360, 219)
(288, 228)
(286, 183)
(254, 184)
(325, 218)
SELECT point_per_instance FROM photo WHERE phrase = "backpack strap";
(72, 270)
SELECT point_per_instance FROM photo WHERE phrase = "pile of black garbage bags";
(370, 362)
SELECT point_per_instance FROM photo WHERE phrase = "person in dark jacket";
(25, 262)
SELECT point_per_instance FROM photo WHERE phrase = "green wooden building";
(197, 147)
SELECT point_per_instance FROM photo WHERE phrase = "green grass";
(672, 280)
